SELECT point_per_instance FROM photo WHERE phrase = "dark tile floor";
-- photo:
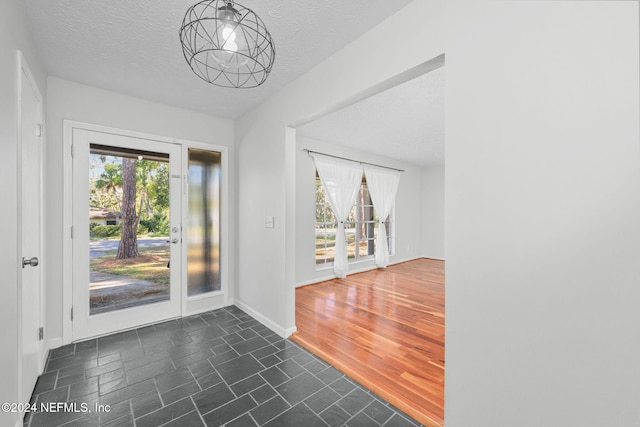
(218, 368)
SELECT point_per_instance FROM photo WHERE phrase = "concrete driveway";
(98, 248)
(110, 292)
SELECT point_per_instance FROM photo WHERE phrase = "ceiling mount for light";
(227, 44)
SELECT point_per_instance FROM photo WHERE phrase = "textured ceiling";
(404, 123)
(132, 46)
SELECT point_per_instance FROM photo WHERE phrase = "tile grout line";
(155, 384)
(197, 410)
(275, 416)
(133, 417)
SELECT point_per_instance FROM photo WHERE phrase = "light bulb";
(228, 34)
(229, 37)
(229, 43)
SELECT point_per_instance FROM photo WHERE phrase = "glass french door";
(127, 232)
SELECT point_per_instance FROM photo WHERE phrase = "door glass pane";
(128, 228)
(203, 258)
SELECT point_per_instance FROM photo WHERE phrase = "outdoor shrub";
(163, 227)
(156, 224)
(148, 224)
(97, 231)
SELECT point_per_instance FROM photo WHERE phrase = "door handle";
(174, 241)
(32, 262)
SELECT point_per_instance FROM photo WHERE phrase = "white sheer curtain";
(341, 181)
(383, 186)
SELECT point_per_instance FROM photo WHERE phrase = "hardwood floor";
(384, 328)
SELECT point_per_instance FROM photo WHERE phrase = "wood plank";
(385, 329)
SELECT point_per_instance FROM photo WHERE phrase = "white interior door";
(30, 190)
(111, 294)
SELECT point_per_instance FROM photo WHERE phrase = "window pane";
(118, 279)
(367, 244)
(361, 227)
(350, 233)
(203, 236)
(325, 243)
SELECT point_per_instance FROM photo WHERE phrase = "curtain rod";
(351, 160)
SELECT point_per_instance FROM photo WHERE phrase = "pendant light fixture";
(227, 44)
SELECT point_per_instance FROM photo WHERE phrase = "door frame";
(24, 72)
(189, 306)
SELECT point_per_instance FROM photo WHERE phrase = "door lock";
(32, 262)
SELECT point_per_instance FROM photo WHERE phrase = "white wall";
(433, 212)
(266, 150)
(542, 214)
(13, 36)
(73, 101)
(542, 196)
(408, 217)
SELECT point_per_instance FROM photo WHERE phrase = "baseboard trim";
(356, 271)
(49, 345)
(263, 319)
(53, 343)
(205, 309)
(291, 331)
(315, 281)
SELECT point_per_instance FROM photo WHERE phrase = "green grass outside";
(150, 265)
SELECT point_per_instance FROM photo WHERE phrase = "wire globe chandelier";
(227, 44)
